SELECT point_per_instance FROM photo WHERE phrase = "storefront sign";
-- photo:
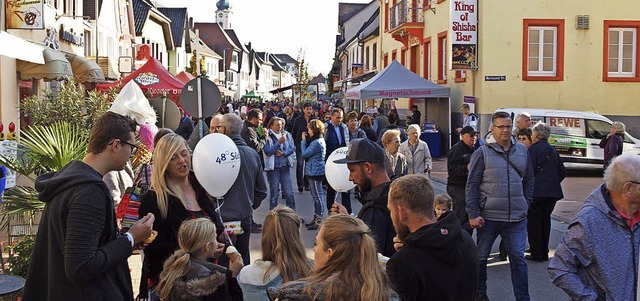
(356, 69)
(71, 37)
(24, 14)
(464, 34)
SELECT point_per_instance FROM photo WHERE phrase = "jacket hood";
(238, 140)
(253, 274)
(49, 185)
(378, 195)
(600, 200)
(198, 287)
(440, 239)
(498, 148)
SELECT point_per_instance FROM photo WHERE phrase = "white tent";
(396, 81)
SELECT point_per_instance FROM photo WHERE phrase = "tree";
(192, 68)
(302, 75)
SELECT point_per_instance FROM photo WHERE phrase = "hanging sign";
(464, 34)
(24, 14)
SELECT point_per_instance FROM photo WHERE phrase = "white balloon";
(338, 174)
(216, 163)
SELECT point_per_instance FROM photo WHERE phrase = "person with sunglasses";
(498, 193)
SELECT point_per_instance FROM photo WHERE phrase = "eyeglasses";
(634, 182)
(134, 148)
(504, 127)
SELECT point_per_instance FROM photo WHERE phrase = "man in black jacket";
(417, 115)
(436, 259)
(457, 168)
(78, 254)
(276, 111)
(365, 161)
(299, 126)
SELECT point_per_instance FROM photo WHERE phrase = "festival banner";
(464, 34)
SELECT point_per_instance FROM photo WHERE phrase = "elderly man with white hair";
(597, 258)
(416, 152)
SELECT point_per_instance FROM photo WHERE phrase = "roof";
(371, 27)
(234, 37)
(277, 64)
(199, 46)
(318, 79)
(286, 59)
(354, 25)
(89, 8)
(178, 17)
(140, 14)
(347, 10)
(217, 39)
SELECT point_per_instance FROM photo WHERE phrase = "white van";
(575, 135)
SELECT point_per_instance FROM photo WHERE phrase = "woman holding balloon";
(175, 196)
(313, 152)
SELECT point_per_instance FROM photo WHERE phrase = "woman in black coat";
(175, 196)
(549, 173)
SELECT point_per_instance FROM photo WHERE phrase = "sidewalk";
(576, 187)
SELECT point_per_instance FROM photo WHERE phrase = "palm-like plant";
(42, 149)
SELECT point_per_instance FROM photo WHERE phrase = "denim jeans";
(277, 178)
(514, 236)
(318, 197)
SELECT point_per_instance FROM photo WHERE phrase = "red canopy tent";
(185, 76)
(152, 78)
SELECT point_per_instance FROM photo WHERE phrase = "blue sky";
(279, 26)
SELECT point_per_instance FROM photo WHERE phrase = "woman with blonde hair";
(187, 274)
(283, 256)
(395, 162)
(416, 152)
(175, 196)
(346, 266)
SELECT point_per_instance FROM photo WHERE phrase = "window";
(374, 62)
(461, 76)
(366, 60)
(442, 57)
(403, 57)
(426, 73)
(394, 54)
(543, 50)
(385, 60)
(620, 55)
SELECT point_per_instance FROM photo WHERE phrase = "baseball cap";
(363, 150)
(467, 130)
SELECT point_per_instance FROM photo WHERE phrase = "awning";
(226, 92)
(85, 70)
(55, 67)
(279, 90)
(20, 49)
(251, 94)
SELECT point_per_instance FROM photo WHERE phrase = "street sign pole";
(199, 92)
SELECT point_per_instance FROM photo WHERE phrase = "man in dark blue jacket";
(457, 168)
(336, 135)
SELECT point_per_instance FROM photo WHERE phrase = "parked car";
(575, 135)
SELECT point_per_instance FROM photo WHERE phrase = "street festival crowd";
(404, 244)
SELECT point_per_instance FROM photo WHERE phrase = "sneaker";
(300, 189)
(502, 257)
(481, 297)
(314, 226)
(536, 258)
(256, 230)
(255, 225)
(316, 219)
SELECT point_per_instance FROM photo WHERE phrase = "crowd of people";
(405, 243)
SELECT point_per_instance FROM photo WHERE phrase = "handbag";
(127, 211)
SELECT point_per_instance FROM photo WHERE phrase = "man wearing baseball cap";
(365, 160)
(457, 168)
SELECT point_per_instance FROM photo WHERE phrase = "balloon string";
(226, 234)
(335, 200)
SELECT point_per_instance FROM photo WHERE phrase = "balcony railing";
(405, 12)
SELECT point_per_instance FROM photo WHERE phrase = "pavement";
(576, 188)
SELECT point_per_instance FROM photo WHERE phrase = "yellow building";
(581, 56)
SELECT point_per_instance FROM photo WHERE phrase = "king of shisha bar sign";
(464, 34)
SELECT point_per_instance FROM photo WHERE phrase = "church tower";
(223, 14)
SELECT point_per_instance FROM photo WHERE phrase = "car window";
(597, 129)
